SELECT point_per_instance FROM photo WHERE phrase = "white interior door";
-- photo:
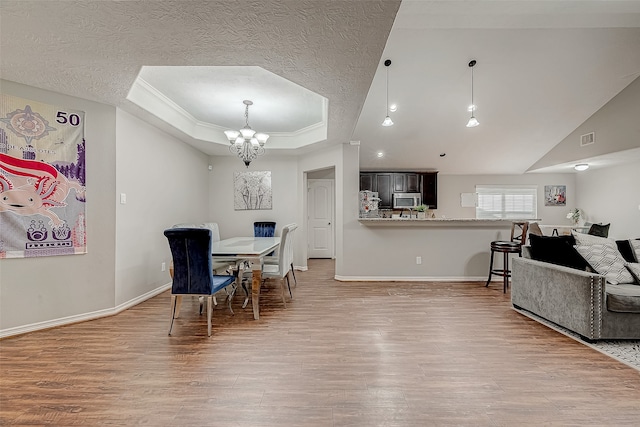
(320, 218)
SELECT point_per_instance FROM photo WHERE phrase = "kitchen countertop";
(441, 221)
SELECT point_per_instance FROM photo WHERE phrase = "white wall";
(450, 187)
(316, 164)
(40, 290)
(284, 174)
(612, 195)
(166, 182)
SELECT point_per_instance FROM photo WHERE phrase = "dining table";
(566, 229)
(239, 250)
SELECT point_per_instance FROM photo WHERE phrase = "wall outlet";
(164, 266)
(418, 260)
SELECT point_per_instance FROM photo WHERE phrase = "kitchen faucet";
(402, 210)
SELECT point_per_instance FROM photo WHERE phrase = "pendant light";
(473, 122)
(387, 120)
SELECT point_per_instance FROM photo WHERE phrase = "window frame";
(505, 191)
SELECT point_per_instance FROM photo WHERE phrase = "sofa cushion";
(623, 298)
(557, 250)
(607, 261)
(626, 250)
(634, 269)
(635, 243)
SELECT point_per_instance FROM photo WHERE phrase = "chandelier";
(246, 143)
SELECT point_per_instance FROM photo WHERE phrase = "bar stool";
(513, 246)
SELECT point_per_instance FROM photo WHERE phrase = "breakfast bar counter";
(439, 222)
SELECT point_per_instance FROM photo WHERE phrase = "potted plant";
(575, 215)
(421, 211)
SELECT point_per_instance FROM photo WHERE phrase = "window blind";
(507, 201)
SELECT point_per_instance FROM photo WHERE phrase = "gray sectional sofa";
(580, 301)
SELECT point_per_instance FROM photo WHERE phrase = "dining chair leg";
(284, 301)
(288, 277)
(178, 305)
(173, 312)
(295, 281)
(209, 310)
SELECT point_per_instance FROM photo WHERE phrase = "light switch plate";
(123, 198)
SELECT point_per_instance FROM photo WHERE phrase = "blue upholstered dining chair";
(264, 229)
(193, 269)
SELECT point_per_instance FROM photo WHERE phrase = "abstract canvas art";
(555, 195)
(252, 190)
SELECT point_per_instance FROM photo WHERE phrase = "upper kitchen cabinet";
(429, 189)
(384, 189)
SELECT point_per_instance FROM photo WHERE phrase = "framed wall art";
(252, 190)
(555, 195)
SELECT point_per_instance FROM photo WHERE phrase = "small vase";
(422, 215)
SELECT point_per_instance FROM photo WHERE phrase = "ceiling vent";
(587, 139)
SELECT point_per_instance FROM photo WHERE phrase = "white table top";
(245, 246)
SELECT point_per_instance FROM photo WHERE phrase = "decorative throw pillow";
(626, 250)
(607, 261)
(587, 239)
(634, 269)
(601, 230)
(557, 250)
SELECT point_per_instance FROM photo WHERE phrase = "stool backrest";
(519, 232)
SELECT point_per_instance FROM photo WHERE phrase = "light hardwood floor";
(340, 354)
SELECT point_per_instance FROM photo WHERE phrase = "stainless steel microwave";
(406, 200)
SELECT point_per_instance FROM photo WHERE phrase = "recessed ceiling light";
(393, 108)
(380, 154)
(581, 167)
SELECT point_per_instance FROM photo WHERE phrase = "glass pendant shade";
(232, 135)
(247, 133)
(387, 121)
(473, 122)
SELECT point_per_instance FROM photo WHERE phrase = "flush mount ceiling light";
(581, 167)
(387, 120)
(473, 122)
(380, 154)
(246, 143)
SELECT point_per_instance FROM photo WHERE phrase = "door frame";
(333, 213)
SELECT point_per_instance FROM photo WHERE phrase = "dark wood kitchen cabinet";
(429, 189)
(387, 183)
(413, 183)
(383, 187)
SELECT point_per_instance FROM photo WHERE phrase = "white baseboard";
(47, 324)
(300, 268)
(410, 278)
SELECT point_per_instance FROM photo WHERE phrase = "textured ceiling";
(544, 67)
(95, 49)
